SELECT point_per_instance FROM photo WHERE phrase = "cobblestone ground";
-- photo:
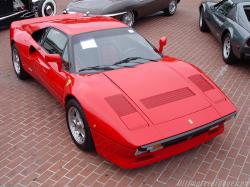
(36, 149)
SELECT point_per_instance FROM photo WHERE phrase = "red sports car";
(122, 97)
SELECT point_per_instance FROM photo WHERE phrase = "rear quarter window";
(58, 38)
(232, 14)
(247, 12)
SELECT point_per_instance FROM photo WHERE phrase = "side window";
(65, 58)
(225, 7)
(55, 42)
(232, 14)
(39, 36)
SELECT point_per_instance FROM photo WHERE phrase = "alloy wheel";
(76, 125)
(172, 7)
(227, 47)
(16, 61)
(128, 18)
(201, 19)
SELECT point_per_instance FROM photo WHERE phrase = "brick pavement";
(36, 149)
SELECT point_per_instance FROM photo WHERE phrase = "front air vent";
(167, 97)
(120, 105)
(201, 83)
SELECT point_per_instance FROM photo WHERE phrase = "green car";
(229, 22)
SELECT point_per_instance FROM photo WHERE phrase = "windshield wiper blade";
(96, 68)
(126, 60)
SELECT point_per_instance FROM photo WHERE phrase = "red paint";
(175, 102)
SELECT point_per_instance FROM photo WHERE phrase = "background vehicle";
(122, 96)
(11, 10)
(228, 21)
(125, 10)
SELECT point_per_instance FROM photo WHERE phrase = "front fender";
(90, 92)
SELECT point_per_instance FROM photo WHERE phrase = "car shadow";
(150, 17)
(242, 64)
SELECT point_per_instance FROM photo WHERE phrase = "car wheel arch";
(12, 42)
(68, 98)
(226, 31)
(201, 7)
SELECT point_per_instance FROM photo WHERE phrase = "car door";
(54, 79)
(147, 7)
(219, 17)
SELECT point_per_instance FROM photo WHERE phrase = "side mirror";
(54, 58)
(162, 43)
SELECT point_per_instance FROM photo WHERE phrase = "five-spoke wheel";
(171, 8)
(78, 126)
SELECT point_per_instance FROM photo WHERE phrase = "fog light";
(146, 149)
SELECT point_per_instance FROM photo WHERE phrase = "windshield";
(111, 49)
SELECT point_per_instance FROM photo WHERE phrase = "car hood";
(95, 7)
(159, 99)
(159, 91)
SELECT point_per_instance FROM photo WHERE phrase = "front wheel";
(128, 18)
(171, 8)
(227, 52)
(78, 126)
(17, 64)
(202, 22)
(47, 8)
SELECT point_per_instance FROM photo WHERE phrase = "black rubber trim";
(188, 134)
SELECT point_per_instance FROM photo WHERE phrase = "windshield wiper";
(126, 60)
(96, 68)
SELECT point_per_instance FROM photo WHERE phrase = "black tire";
(227, 52)
(43, 5)
(88, 144)
(171, 8)
(202, 23)
(18, 68)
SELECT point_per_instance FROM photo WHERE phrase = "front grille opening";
(187, 137)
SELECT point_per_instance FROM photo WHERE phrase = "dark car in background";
(125, 10)
(229, 22)
(11, 10)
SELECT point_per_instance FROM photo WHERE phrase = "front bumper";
(125, 157)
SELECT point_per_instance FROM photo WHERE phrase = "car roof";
(72, 24)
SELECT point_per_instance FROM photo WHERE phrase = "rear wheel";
(128, 18)
(171, 8)
(78, 126)
(47, 8)
(227, 52)
(17, 64)
(202, 22)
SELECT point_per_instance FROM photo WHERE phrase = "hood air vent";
(167, 97)
(120, 105)
(201, 83)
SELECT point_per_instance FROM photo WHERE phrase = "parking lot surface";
(36, 148)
